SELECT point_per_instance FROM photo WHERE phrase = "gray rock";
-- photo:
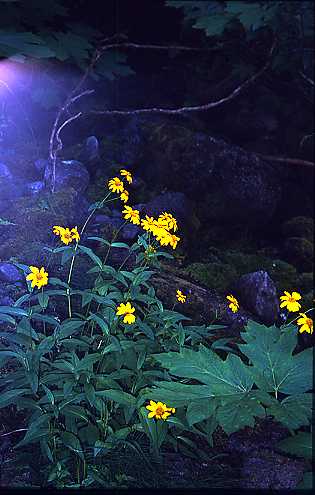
(12, 188)
(40, 165)
(224, 178)
(130, 232)
(257, 292)
(91, 150)
(35, 187)
(9, 273)
(5, 172)
(69, 173)
(175, 203)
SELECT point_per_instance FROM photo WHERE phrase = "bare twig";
(14, 431)
(198, 108)
(308, 79)
(55, 142)
(305, 138)
(292, 161)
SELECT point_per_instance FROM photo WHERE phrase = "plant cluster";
(125, 367)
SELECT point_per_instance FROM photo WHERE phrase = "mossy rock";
(300, 251)
(213, 275)
(305, 282)
(299, 227)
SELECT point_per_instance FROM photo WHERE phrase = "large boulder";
(69, 173)
(9, 273)
(226, 180)
(257, 292)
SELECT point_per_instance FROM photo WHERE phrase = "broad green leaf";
(101, 322)
(294, 411)
(176, 394)
(72, 442)
(69, 327)
(274, 368)
(10, 310)
(91, 254)
(223, 377)
(9, 397)
(117, 396)
(238, 412)
(307, 482)
(7, 318)
(299, 445)
(199, 410)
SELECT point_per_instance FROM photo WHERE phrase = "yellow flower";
(234, 305)
(132, 215)
(290, 301)
(173, 240)
(38, 276)
(124, 196)
(66, 236)
(75, 234)
(148, 223)
(159, 410)
(306, 324)
(116, 185)
(126, 310)
(126, 174)
(57, 229)
(180, 296)
(168, 221)
(159, 232)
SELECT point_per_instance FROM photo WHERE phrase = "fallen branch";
(292, 161)
(308, 79)
(198, 108)
(55, 143)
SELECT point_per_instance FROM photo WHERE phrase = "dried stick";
(292, 161)
(55, 134)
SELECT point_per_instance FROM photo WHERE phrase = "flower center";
(159, 410)
(39, 276)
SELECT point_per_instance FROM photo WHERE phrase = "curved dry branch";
(291, 161)
(197, 108)
(55, 143)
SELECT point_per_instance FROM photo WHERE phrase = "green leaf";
(69, 327)
(199, 410)
(274, 368)
(75, 411)
(7, 398)
(294, 411)
(176, 394)
(238, 412)
(117, 396)
(91, 254)
(307, 481)
(10, 310)
(101, 322)
(72, 442)
(119, 245)
(227, 377)
(7, 318)
(299, 445)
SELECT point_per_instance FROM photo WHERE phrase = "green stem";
(307, 311)
(76, 247)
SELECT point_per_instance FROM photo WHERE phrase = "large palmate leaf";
(224, 377)
(274, 368)
(299, 445)
(294, 411)
(238, 412)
